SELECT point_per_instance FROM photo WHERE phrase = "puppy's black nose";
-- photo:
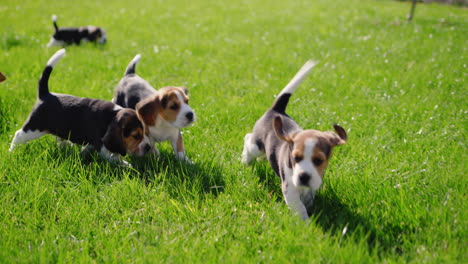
(189, 116)
(147, 148)
(304, 178)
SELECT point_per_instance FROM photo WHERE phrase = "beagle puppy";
(76, 35)
(299, 157)
(103, 126)
(164, 112)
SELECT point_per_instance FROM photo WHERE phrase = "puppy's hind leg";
(251, 149)
(22, 137)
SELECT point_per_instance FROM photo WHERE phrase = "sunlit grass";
(394, 193)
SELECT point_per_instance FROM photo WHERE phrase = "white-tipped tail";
(299, 77)
(136, 59)
(131, 66)
(56, 57)
(54, 18)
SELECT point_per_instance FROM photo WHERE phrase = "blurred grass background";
(394, 193)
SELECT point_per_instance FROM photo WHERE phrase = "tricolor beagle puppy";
(76, 35)
(299, 157)
(164, 111)
(103, 126)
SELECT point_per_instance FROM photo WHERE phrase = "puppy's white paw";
(12, 147)
(245, 158)
(125, 163)
(113, 157)
(181, 156)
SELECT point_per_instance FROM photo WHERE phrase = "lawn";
(396, 192)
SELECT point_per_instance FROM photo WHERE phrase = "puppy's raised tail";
(131, 66)
(283, 98)
(54, 20)
(43, 87)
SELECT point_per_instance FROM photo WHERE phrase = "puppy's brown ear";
(338, 138)
(2, 77)
(112, 140)
(279, 131)
(163, 101)
(148, 108)
(185, 90)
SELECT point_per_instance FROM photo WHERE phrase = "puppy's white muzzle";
(185, 118)
(305, 175)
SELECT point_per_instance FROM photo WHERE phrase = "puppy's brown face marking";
(320, 161)
(311, 150)
(319, 154)
(132, 132)
(133, 141)
(171, 104)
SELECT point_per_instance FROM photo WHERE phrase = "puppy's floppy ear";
(338, 138)
(2, 77)
(112, 140)
(148, 108)
(279, 131)
(94, 32)
(184, 89)
(164, 101)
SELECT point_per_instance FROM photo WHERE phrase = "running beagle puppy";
(164, 111)
(76, 35)
(299, 157)
(103, 126)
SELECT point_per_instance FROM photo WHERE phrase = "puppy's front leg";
(293, 200)
(307, 198)
(178, 146)
(154, 150)
(63, 143)
(113, 157)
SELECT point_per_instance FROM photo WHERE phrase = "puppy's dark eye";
(317, 161)
(138, 137)
(174, 107)
(297, 159)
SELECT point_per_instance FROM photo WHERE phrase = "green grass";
(394, 193)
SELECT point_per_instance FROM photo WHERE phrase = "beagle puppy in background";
(100, 125)
(76, 35)
(164, 111)
(299, 157)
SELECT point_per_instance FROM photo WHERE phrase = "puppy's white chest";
(163, 131)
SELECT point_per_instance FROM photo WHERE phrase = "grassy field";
(396, 192)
